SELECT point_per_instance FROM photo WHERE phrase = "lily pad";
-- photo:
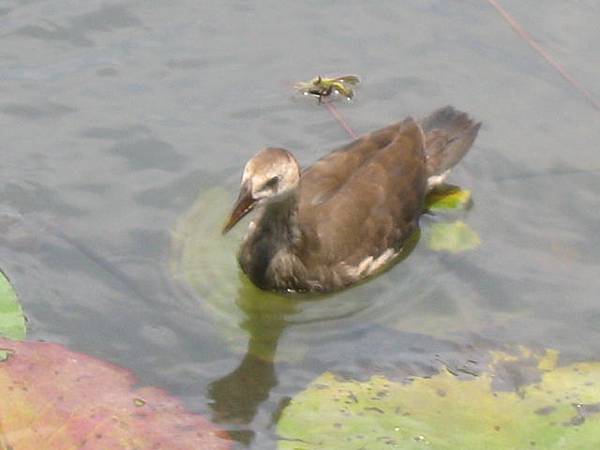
(560, 409)
(447, 197)
(12, 320)
(58, 399)
(453, 237)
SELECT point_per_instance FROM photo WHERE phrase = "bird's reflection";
(237, 396)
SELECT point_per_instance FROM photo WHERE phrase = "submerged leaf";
(205, 259)
(452, 237)
(12, 320)
(69, 400)
(446, 412)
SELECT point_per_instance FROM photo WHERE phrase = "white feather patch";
(436, 180)
(369, 265)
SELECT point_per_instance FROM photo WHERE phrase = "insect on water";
(323, 87)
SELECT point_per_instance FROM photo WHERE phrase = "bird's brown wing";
(363, 199)
(325, 177)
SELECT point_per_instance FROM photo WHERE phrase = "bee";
(323, 87)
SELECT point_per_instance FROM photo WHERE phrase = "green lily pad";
(12, 320)
(453, 237)
(559, 410)
(447, 197)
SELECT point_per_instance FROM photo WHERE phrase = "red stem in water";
(516, 26)
(336, 115)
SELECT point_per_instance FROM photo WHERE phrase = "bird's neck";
(275, 230)
(278, 222)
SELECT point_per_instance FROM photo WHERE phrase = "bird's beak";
(243, 205)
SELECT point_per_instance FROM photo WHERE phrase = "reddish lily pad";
(69, 400)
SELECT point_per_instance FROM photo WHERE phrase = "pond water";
(122, 120)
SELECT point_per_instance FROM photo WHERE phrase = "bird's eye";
(272, 182)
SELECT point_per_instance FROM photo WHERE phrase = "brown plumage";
(349, 214)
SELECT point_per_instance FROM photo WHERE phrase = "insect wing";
(349, 79)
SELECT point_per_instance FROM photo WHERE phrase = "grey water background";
(115, 116)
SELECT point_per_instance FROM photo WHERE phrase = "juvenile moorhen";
(349, 214)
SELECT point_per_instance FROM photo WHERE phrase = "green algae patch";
(12, 320)
(559, 410)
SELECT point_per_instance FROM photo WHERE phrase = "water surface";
(117, 116)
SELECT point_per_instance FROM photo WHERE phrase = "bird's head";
(270, 174)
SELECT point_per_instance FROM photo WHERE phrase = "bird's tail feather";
(449, 135)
